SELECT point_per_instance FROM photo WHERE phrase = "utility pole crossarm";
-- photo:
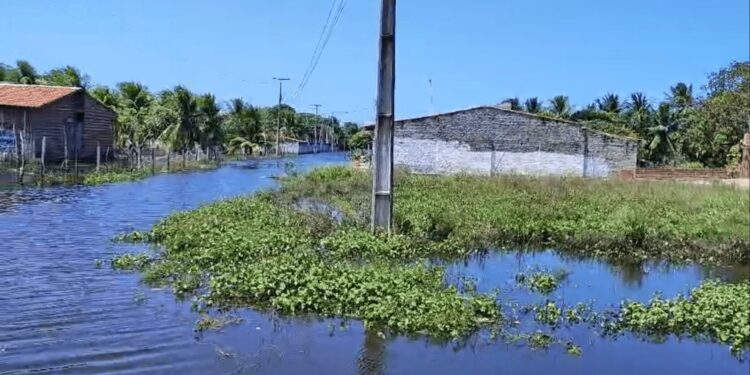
(382, 189)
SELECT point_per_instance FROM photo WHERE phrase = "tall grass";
(611, 218)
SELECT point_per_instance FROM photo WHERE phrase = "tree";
(659, 148)
(532, 105)
(244, 127)
(560, 107)
(67, 76)
(639, 112)
(184, 133)
(609, 103)
(24, 73)
(515, 104)
(680, 96)
(360, 140)
(210, 129)
(718, 123)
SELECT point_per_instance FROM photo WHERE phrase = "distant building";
(495, 140)
(295, 147)
(65, 115)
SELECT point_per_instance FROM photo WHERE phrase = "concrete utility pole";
(382, 179)
(278, 114)
(315, 128)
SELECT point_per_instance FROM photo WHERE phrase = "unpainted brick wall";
(488, 140)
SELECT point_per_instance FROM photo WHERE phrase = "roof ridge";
(36, 85)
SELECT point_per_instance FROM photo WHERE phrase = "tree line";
(682, 129)
(182, 120)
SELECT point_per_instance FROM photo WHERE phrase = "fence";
(22, 160)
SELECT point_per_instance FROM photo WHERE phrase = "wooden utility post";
(315, 127)
(382, 179)
(44, 151)
(278, 114)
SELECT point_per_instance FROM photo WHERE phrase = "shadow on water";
(61, 311)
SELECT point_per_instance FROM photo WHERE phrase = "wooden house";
(68, 117)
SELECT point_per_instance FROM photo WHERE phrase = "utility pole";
(278, 114)
(382, 181)
(315, 128)
(432, 107)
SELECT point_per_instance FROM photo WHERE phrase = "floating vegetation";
(131, 262)
(714, 311)
(125, 175)
(267, 253)
(573, 349)
(543, 282)
(132, 237)
(208, 322)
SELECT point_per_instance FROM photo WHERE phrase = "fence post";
(44, 151)
(98, 156)
(76, 164)
(65, 146)
(169, 152)
(153, 160)
(22, 159)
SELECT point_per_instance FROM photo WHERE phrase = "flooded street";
(64, 310)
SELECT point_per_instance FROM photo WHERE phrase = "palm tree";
(532, 105)
(185, 131)
(609, 103)
(24, 73)
(680, 96)
(244, 125)
(134, 95)
(660, 148)
(106, 96)
(560, 106)
(515, 104)
(67, 76)
(639, 112)
(210, 122)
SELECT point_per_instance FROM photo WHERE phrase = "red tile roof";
(32, 96)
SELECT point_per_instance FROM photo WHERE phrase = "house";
(495, 140)
(68, 117)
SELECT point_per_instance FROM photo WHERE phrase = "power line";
(325, 36)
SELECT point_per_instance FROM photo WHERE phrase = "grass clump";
(101, 178)
(612, 219)
(714, 311)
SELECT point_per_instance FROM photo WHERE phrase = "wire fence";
(25, 160)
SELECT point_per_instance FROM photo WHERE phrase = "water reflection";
(61, 313)
(371, 360)
(631, 274)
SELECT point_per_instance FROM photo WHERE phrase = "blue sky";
(475, 51)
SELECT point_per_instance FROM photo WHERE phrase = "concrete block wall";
(488, 140)
(301, 148)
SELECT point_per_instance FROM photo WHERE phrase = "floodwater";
(63, 313)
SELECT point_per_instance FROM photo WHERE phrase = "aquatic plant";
(541, 281)
(274, 251)
(132, 237)
(261, 253)
(713, 311)
(131, 262)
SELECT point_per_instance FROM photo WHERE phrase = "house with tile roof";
(72, 121)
